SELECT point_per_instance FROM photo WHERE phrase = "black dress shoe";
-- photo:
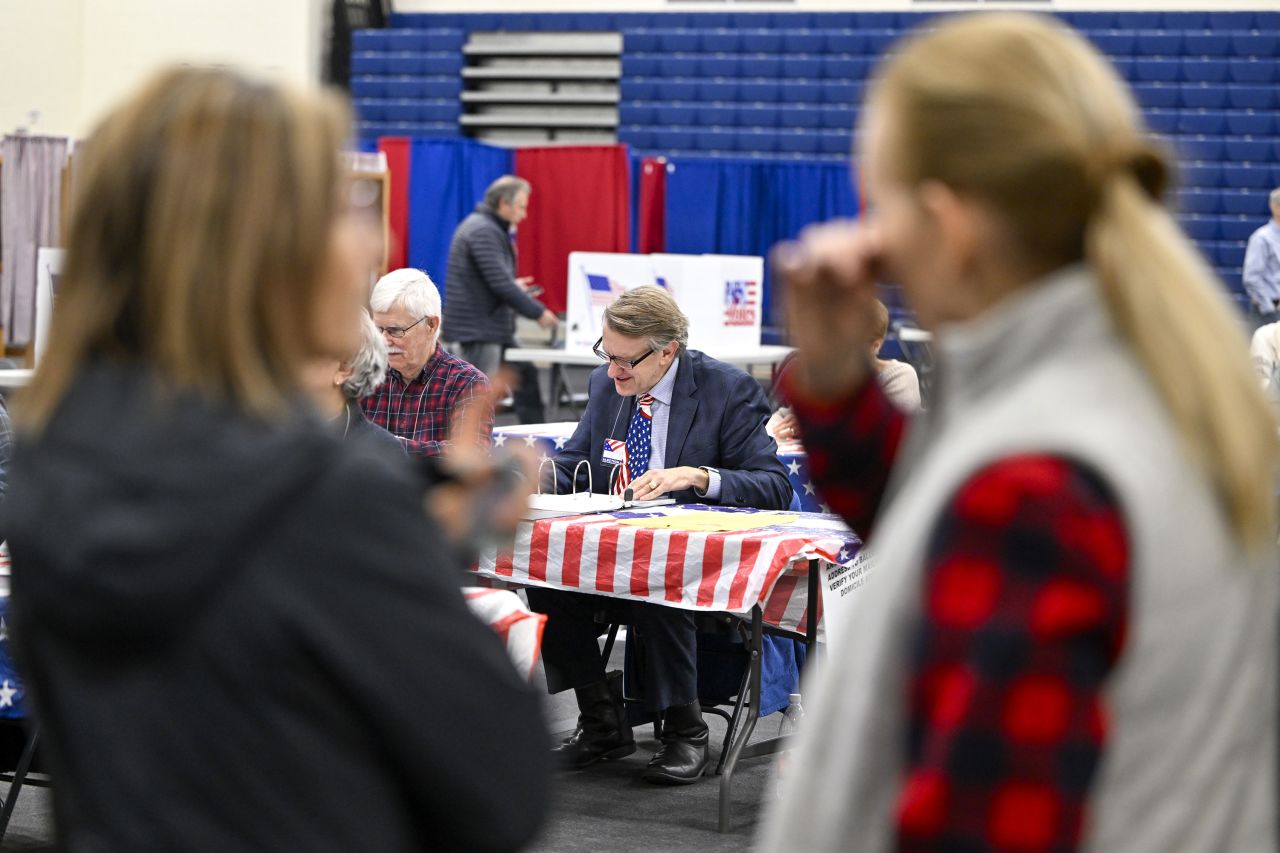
(684, 754)
(586, 746)
(602, 733)
(680, 760)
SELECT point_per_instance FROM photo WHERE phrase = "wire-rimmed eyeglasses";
(398, 332)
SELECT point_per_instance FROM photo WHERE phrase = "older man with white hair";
(426, 387)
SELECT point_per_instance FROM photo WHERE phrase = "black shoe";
(684, 754)
(602, 733)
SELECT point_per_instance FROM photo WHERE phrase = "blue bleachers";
(1247, 177)
(759, 89)
(1236, 227)
(1206, 43)
(717, 90)
(788, 84)
(1253, 97)
(1203, 175)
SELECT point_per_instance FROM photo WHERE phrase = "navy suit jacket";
(718, 414)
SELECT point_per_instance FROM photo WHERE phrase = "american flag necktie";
(639, 443)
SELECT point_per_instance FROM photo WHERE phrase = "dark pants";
(571, 651)
(487, 357)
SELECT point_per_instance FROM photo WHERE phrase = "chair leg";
(746, 725)
(19, 776)
(608, 643)
(735, 719)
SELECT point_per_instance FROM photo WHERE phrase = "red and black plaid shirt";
(420, 412)
(1024, 606)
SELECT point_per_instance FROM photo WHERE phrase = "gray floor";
(604, 809)
(32, 825)
(608, 808)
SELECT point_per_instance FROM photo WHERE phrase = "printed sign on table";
(720, 294)
(840, 585)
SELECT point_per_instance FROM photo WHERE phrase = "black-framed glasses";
(398, 332)
(628, 363)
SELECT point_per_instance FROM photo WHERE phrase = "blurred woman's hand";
(829, 274)
(482, 496)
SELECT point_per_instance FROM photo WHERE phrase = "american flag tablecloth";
(695, 570)
(549, 439)
(519, 628)
(11, 691)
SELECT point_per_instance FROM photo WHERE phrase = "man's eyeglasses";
(628, 363)
(398, 332)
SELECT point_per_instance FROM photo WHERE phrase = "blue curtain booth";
(448, 178)
(744, 207)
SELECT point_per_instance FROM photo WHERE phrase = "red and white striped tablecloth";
(694, 570)
(519, 629)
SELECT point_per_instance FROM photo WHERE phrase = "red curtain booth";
(580, 203)
(396, 149)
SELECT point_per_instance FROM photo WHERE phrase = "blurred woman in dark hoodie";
(238, 631)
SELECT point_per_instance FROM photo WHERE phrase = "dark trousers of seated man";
(571, 658)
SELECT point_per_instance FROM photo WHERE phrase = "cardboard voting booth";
(720, 294)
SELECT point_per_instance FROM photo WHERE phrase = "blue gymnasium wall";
(784, 87)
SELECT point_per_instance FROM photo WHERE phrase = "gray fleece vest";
(1189, 763)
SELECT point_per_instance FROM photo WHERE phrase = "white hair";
(369, 364)
(1275, 197)
(409, 287)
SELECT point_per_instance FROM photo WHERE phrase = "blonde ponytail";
(1023, 113)
(1166, 303)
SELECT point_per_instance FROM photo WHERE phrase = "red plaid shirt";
(420, 412)
(1024, 606)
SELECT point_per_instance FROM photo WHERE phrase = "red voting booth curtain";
(397, 150)
(651, 233)
(580, 203)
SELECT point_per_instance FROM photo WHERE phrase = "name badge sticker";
(615, 451)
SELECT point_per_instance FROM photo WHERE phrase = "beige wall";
(40, 64)
(72, 59)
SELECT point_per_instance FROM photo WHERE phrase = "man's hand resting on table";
(652, 485)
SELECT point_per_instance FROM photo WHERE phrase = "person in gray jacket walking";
(483, 294)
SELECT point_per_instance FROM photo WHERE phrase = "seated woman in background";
(898, 378)
(1069, 638)
(239, 631)
(337, 386)
(1265, 349)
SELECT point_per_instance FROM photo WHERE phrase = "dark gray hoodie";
(247, 636)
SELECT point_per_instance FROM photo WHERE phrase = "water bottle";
(789, 727)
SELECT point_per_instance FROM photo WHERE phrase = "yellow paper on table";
(707, 521)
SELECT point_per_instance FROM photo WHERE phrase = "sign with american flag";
(741, 303)
(717, 322)
(603, 289)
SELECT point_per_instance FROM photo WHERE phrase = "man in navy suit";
(665, 421)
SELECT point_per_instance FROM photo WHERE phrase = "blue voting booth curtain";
(447, 178)
(744, 207)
